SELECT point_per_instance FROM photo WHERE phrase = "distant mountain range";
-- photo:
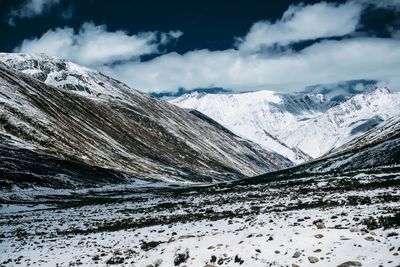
(183, 91)
(66, 126)
(335, 91)
(299, 126)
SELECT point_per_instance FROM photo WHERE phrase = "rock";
(319, 224)
(146, 246)
(277, 252)
(115, 260)
(295, 265)
(319, 236)
(238, 260)
(350, 264)
(296, 254)
(157, 263)
(342, 237)
(181, 257)
(186, 236)
(369, 238)
(392, 234)
(354, 229)
(97, 257)
(213, 259)
(313, 259)
(317, 250)
(211, 247)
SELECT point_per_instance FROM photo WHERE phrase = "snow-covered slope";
(344, 122)
(67, 75)
(296, 124)
(379, 147)
(94, 119)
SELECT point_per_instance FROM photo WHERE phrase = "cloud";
(251, 65)
(30, 8)
(301, 23)
(67, 14)
(324, 62)
(387, 4)
(95, 46)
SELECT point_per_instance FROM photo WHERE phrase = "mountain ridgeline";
(56, 109)
(299, 126)
(66, 126)
(375, 152)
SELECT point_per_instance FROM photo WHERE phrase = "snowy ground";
(352, 219)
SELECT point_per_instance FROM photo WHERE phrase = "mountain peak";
(290, 122)
(89, 117)
(379, 90)
(66, 75)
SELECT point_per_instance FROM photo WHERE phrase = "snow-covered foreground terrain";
(346, 219)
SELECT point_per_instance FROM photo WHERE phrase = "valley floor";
(351, 219)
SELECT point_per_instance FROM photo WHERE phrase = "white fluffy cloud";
(94, 45)
(31, 8)
(301, 23)
(324, 62)
(246, 66)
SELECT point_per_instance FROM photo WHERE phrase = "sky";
(158, 46)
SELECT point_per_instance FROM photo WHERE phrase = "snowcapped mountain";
(67, 75)
(296, 125)
(388, 130)
(378, 147)
(260, 116)
(345, 121)
(82, 115)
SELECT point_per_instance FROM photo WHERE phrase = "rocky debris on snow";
(350, 264)
(313, 259)
(181, 257)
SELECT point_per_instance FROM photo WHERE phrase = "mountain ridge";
(311, 123)
(117, 128)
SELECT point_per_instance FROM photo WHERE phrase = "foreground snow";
(328, 218)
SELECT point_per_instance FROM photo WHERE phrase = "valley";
(93, 173)
(277, 220)
(200, 133)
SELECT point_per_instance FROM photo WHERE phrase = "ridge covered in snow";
(66, 75)
(296, 125)
(55, 107)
